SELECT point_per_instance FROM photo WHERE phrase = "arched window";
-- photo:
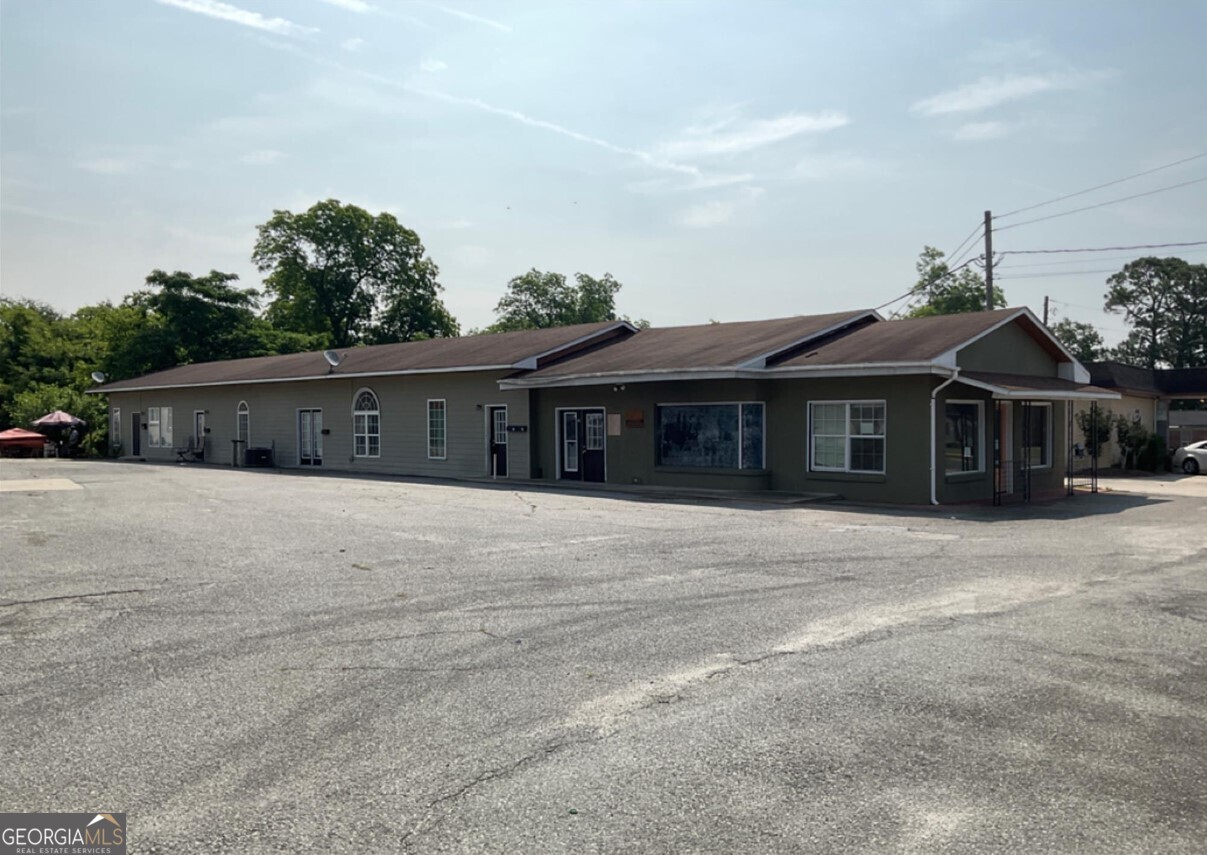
(366, 425)
(243, 425)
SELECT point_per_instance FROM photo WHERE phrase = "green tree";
(538, 300)
(338, 271)
(42, 398)
(1082, 339)
(1165, 302)
(206, 317)
(947, 292)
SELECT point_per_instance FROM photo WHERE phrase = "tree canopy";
(1082, 339)
(338, 271)
(538, 300)
(1165, 302)
(944, 292)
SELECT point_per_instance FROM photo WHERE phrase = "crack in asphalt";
(73, 597)
(426, 634)
(531, 506)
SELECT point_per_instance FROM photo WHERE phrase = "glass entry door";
(310, 437)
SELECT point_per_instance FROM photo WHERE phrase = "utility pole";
(1045, 310)
(989, 260)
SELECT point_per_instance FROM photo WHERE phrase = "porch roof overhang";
(723, 373)
(1026, 387)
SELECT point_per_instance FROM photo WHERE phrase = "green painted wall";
(1010, 350)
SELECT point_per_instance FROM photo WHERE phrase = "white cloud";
(352, 45)
(991, 91)
(717, 212)
(107, 165)
(262, 157)
(244, 17)
(433, 65)
(358, 6)
(732, 136)
(477, 19)
(978, 131)
(659, 186)
(827, 167)
(707, 214)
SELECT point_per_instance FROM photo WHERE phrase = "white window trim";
(366, 413)
(980, 416)
(741, 428)
(243, 410)
(444, 433)
(1048, 443)
(115, 421)
(813, 467)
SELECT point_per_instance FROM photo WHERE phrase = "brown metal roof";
(473, 352)
(908, 340)
(703, 346)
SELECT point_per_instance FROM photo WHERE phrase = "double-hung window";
(847, 436)
(159, 427)
(366, 425)
(437, 429)
(711, 436)
(243, 424)
(963, 436)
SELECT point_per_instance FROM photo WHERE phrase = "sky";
(723, 160)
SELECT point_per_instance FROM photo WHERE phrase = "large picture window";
(963, 434)
(159, 427)
(366, 425)
(847, 436)
(437, 429)
(1037, 434)
(711, 436)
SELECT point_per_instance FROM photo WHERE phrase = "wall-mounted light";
(618, 388)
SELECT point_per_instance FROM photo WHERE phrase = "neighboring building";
(1171, 402)
(952, 408)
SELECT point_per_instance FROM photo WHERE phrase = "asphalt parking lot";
(261, 662)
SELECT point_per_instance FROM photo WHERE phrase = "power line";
(1101, 248)
(1101, 186)
(1084, 260)
(1058, 273)
(973, 235)
(1102, 204)
(914, 289)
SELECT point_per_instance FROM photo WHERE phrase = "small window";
(437, 429)
(243, 424)
(595, 431)
(366, 425)
(847, 436)
(962, 437)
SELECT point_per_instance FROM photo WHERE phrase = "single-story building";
(955, 408)
(1171, 402)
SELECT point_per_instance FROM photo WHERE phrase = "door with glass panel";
(581, 445)
(498, 442)
(310, 437)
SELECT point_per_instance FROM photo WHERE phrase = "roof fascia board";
(867, 370)
(1001, 392)
(329, 376)
(529, 363)
(761, 360)
(1077, 373)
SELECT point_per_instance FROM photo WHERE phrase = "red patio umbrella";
(58, 419)
(17, 438)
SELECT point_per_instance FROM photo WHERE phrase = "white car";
(1192, 458)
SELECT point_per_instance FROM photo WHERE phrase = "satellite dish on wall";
(333, 358)
(98, 376)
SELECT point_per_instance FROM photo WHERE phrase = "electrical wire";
(913, 290)
(973, 235)
(1102, 204)
(1084, 260)
(1102, 248)
(1058, 273)
(1101, 186)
